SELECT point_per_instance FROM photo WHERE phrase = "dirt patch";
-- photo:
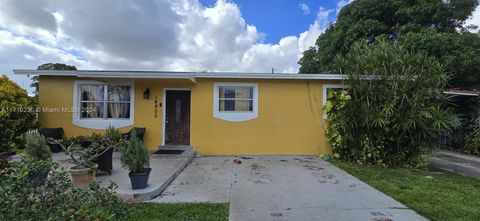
(262, 179)
(256, 166)
(277, 214)
(382, 219)
(167, 194)
(312, 167)
(303, 160)
(246, 158)
(329, 176)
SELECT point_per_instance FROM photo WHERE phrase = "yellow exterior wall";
(289, 116)
(289, 121)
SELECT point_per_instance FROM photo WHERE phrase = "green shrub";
(17, 114)
(96, 136)
(3, 164)
(394, 109)
(135, 155)
(114, 137)
(56, 199)
(75, 139)
(113, 134)
(36, 147)
(472, 145)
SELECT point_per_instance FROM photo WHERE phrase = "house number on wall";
(155, 107)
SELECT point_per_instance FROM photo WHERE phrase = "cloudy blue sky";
(177, 35)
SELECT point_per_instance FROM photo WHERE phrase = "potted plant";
(83, 171)
(37, 151)
(105, 158)
(136, 159)
(114, 136)
(111, 140)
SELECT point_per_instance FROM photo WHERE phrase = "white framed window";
(327, 92)
(235, 102)
(98, 104)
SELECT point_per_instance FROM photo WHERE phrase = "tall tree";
(57, 66)
(368, 19)
(458, 52)
(49, 66)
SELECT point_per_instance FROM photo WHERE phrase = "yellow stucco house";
(215, 113)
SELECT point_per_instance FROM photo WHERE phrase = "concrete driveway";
(283, 188)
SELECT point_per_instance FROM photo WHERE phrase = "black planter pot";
(86, 143)
(38, 178)
(54, 133)
(104, 161)
(140, 180)
(55, 148)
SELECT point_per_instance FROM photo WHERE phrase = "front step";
(174, 149)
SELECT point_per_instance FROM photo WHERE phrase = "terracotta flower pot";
(82, 177)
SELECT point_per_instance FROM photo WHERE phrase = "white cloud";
(21, 52)
(475, 18)
(304, 7)
(150, 34)
(308, 38)
(342, 3)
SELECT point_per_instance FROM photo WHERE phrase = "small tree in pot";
(36, 147)
(136, 159)
(37, 151)
(83, 171)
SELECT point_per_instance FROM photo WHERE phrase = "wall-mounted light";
(146, 94)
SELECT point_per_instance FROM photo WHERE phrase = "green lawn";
(179, 211)
(435, 195)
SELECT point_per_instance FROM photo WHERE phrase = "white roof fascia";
(178, 75)
(271, 76)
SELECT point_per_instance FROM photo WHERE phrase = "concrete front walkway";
(165, 167)
(283, 188)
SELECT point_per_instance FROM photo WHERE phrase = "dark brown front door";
(177, 117)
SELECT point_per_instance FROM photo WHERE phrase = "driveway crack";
(233, 182)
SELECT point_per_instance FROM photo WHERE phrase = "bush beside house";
(394, 109)
(17, 114)
(56, 199)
